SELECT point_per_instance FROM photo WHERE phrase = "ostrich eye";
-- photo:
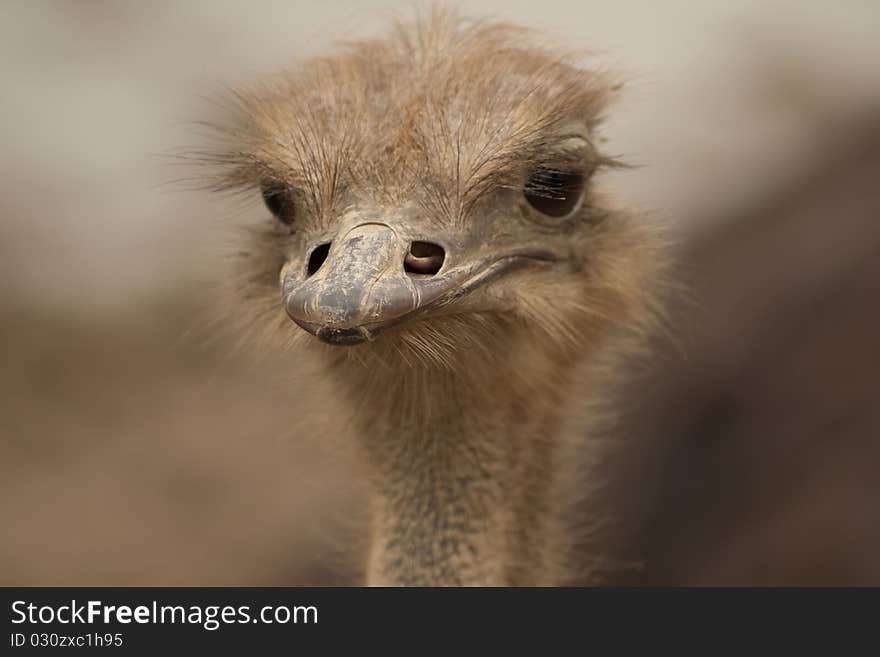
(554, 192)
(279, 200)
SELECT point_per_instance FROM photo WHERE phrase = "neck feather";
(462, 462)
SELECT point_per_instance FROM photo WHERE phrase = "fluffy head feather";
(451, 115)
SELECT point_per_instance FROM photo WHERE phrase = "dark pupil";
(553, 192)
(277, 199)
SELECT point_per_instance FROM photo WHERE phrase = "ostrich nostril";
(424, 258)
(317, 258)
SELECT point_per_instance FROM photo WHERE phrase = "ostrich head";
(431, 191)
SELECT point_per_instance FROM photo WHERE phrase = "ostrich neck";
(461, 467)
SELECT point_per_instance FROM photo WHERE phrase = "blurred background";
(133, 453)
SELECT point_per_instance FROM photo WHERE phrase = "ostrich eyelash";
(279, 201)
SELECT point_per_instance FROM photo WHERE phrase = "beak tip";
(342, 336)
(332, 334)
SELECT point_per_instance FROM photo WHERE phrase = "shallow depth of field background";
(132, 453)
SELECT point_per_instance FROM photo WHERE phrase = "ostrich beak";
(370, 280)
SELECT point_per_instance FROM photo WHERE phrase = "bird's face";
(441, 177)
(377, 266)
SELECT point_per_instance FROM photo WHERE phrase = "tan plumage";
(462, 413)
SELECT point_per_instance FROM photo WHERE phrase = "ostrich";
(438, 242)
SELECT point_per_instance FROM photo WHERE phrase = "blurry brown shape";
(131, 457)
(754, 457)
